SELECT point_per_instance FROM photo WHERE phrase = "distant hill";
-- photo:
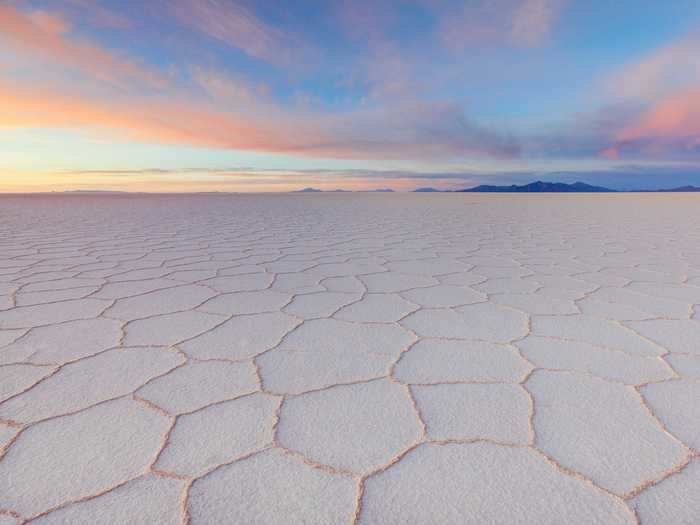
(308, 190)
(541, 187)
(383, 190)
(688, 189)
(426, 190)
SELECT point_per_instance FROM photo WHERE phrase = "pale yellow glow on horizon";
(42, 182)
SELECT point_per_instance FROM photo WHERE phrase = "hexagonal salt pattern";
(349, 358)
(484, 483)
(336, 426)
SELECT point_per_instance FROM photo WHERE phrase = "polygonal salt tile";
(613, 365)
(169, 329)
(32, 298)
(341, 269)
(59, 344)
(298, 371)
(657, 306)
(501, 272)
(676, 500)
(498, 412)
(219, 434)
(505, 285)
(392, 282)
(298, 283)
(348, 284)
(196, 385)
(483, 483)
(443, 296)
(319, 304)
(559, 293)
(143, 275)
(289, 266)
(492, 260)
(536, 304)
(431, 267)
(356, 428)
(435, 361)
(240, 303)
(680, 292)
(241, 270)
(192, 276)
(595, 331)
(18, 378)
(241, 283)
(272, 488)
(563, 282)
(120, 290)
(52, 313)
(600, 430)
(483, 321)
(10, 288)
(42, 274)
(616, 311)
(9, 336)
(7, 434)
(677, 405)
(377, 308)
(242, 337)
(461, 279)
(79, 455)
(682, 336)
(328, 352)
(687, 366)
(323, 334)
(89, 381)
(148, 499)
(159, 302)
(603, 279)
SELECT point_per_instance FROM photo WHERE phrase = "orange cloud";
(410, 130)
(222, 112)
(135, 118)
(46, 35)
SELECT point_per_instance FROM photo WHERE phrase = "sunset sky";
(229, 95)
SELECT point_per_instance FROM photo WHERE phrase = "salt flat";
(340, 358)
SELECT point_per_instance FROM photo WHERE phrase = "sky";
(246, 95)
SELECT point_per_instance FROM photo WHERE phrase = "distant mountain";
(426, 190)
(383, 190)
(542, 187)
(308, 190)
(687, 189)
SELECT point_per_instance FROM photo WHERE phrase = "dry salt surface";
(353, 358)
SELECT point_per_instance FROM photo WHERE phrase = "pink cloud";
(222, 111)
(100, 15)
(401, 131)
(533, 20)
(666, 86)
(666, 70)
(47, 35)
(237, 25)
(672, 124)
(523, 23)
